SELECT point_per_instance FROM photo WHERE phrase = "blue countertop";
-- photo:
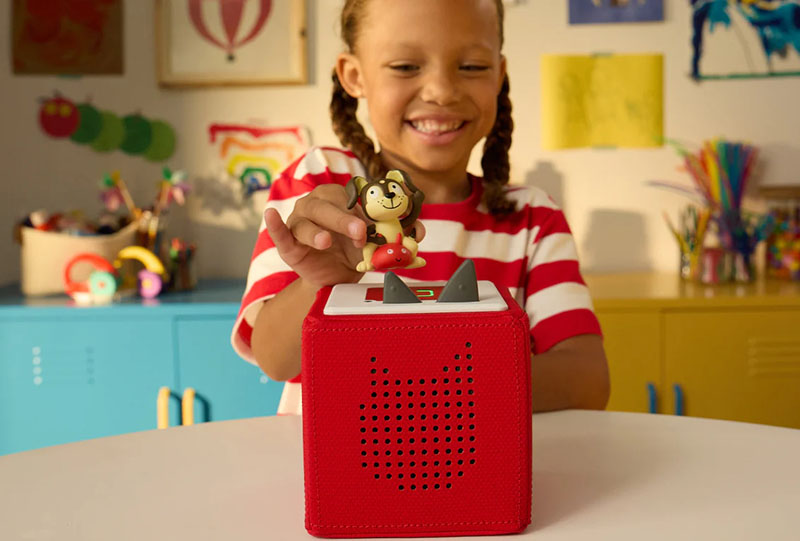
(211, 297)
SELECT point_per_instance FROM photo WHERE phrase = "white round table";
(596, 475)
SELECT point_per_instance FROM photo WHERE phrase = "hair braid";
(350, 132)
(495, 161)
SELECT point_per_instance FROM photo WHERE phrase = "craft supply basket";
(44, 254)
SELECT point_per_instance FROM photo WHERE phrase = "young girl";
(434, 81)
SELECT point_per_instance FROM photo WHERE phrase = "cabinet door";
(68, 380)
(632, 343)
(742, 365)
(227, 387)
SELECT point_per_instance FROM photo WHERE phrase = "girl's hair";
(351, 133)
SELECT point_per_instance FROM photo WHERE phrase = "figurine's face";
(430, 72)
(384, 200)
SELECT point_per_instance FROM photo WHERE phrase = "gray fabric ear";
(462, 286)
(395, 291)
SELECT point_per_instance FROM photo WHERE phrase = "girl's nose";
(440, 88)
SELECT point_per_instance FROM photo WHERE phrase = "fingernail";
(319, 239)
(353, 229)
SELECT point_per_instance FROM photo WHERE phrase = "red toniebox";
(416, 410)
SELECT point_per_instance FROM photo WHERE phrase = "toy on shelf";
(151, 279)
(393, 204)
(107, 278)
(418, 395)
(101, 285)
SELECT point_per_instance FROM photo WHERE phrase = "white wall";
(615, 217)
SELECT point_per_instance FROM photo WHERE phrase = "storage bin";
(44, 254)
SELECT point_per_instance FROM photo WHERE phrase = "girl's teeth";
(431, 126)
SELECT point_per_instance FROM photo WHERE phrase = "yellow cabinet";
(725, 352)
(634, 358)
(742, 365)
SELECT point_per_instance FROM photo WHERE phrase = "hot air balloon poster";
(231, 42)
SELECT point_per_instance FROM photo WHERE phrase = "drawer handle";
(652, 398)
(187, 406)
(162, 408)
(678, 390)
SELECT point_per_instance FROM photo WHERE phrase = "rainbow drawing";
(255, 155)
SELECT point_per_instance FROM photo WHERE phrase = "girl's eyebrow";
(472, 48)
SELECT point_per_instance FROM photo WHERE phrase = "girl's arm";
(571, 374)
(277, 332)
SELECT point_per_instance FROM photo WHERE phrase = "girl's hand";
(322, 239)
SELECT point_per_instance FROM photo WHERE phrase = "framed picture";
(615, 11)
(231, 42)
(67, 38)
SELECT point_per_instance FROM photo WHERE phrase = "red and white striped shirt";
(531, 252)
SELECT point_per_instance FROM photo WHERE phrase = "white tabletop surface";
(596, 475)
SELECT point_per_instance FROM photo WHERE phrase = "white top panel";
(348, 299)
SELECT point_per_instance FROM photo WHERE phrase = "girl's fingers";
(330, 217)
(311, 234)
(288, 248)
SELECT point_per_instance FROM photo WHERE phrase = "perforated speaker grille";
(418, 433)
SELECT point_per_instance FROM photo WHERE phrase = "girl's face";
(430, 71)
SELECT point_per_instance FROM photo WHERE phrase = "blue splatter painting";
(763, 34)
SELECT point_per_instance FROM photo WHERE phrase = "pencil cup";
(716, 266)
(689, 265)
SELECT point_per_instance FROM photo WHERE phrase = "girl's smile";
(437, 130)
(430, 72)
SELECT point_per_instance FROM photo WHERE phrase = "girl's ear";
(502, 73)
(348, 69)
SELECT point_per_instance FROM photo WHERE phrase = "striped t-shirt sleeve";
(268, 274)
(556, 297)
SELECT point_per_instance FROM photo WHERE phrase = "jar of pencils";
(783, 244)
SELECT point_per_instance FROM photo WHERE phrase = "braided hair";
(348, 129)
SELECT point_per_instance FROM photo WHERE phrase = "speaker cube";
(416, 417)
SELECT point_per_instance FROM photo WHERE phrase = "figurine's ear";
(353, 188)
(398, 176)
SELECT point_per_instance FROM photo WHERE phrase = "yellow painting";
(602, 100)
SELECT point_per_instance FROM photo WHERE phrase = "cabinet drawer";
(63, 381)
(632, 343)
(741, 365)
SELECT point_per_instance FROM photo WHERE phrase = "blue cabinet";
(69, 373)
(68, 380)
(226, 387)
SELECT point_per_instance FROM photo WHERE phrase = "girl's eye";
(474, 67)
(404, 68)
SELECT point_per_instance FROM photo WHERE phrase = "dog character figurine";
(393, 203)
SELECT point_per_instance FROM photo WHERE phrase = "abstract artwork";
(231, 42)
(615, 11)
(736, 39)
(52, 37)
